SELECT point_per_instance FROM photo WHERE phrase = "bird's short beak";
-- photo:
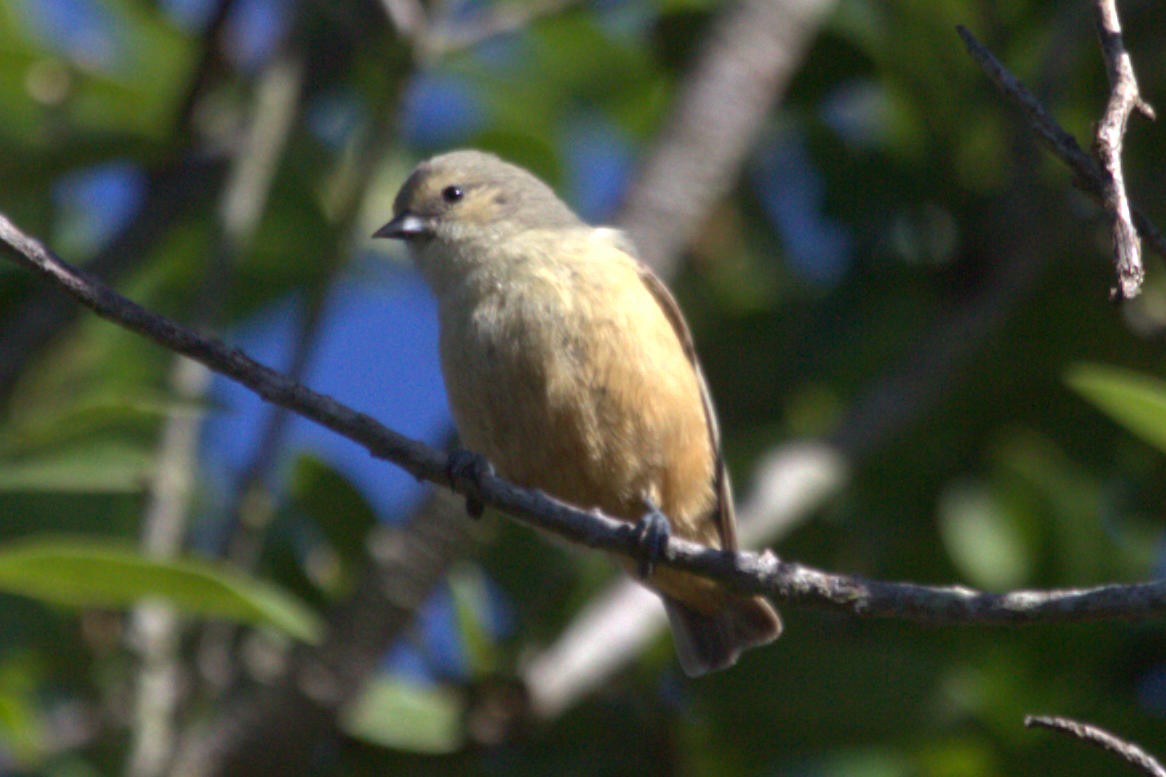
(405, 226)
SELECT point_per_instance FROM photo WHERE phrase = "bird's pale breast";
(569, 377)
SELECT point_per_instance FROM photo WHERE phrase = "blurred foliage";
(88, 573)
(895, 233)
(1136, 401)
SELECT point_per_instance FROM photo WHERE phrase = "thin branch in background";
(208, 60)
(251, 505)
(744, 572)
(1124, 99)
(1090, 176)
(276, 109)
(280, 93)
(447, 36)
(1087, 732)
(155, 626)
(753, 50)
(438, 35)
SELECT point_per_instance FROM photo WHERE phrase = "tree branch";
(1086, 732)
(1123, 100)
(615, 624)
(754, 573)
(156, 627)
(172, 191)
(209, 60)
(1094, 179)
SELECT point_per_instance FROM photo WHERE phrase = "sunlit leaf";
(99, 573)
(982, 538)
(1134, 400)
(22, 730)
(407, 716)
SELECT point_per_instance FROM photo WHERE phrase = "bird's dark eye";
(452, 194)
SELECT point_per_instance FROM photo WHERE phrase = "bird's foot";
(465, 470)
(653, 532)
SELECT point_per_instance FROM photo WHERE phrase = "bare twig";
(1090, 176)
(758, 573)
(1087, 732)
(1123, 100)
(171, 193)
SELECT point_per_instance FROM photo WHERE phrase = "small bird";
(571, 369)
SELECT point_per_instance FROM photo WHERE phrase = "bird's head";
(465, 196)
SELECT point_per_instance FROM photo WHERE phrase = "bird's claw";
(653, 532)
(466, 469)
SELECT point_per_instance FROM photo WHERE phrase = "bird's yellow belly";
(568, 406)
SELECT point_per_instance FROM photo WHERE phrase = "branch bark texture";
(758, 573)
(1124, 99)
(1086, 732)
(1103, 181)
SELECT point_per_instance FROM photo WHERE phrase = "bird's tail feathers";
(706, 642)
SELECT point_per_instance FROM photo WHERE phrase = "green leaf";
(104, 467)
(406, 716)
(100, 573)
(1134, 400)
(982, 537)
(338, 508)
(22, 729)
(96, 439)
